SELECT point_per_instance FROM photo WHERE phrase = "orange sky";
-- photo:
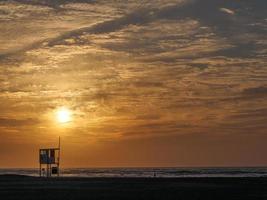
(147, 83)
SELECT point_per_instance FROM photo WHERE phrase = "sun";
(63, 115)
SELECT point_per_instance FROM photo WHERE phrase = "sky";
(146, 83)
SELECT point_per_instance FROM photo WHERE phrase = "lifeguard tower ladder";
(49, 160)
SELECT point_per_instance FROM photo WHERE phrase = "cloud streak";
(196, 56)
(206, 12)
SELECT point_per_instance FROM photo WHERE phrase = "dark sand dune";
(22, 187)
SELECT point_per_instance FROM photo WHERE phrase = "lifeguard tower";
(49, 160)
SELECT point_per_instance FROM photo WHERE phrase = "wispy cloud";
(136, 69)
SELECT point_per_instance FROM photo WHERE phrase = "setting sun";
(63, 115)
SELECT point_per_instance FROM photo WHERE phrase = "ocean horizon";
(172, 172)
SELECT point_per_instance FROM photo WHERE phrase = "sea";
(149, 172)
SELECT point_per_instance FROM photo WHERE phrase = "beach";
(26, 187)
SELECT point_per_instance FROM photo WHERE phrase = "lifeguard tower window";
(48, 156)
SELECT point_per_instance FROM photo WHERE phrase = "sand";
(23, 187)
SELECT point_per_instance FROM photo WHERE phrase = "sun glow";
(63, 115)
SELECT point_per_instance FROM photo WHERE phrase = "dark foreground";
(22, 187)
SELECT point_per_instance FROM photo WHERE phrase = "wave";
(149, 172)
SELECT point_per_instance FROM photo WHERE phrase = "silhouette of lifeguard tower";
(49, 160)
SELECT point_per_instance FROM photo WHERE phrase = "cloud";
(228, 11)
(206, 12)
(169, 68)
(256, 92)
(9, 122)
(56, 4)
